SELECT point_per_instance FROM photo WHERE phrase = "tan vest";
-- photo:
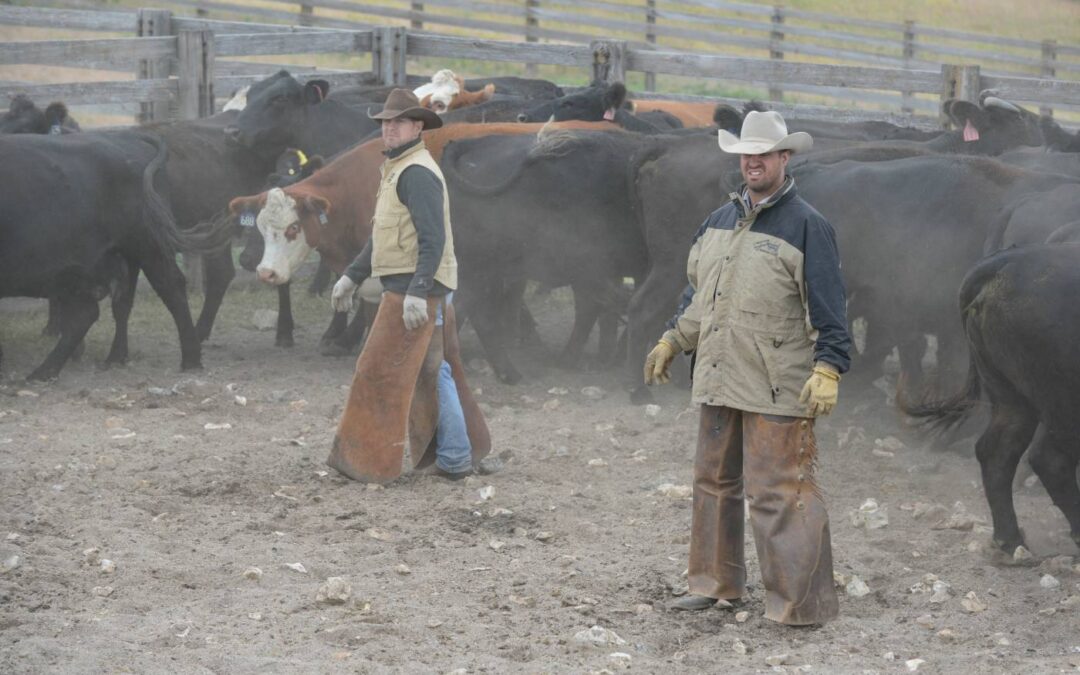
(394, 248)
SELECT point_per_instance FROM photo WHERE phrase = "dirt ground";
(183, 489)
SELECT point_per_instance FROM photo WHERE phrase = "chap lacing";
(807, 465)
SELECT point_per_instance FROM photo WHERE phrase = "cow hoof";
(284, 341)
(193, 365)
(43, 375)
(641, 396)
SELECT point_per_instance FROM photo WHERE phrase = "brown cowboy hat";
(403, 103)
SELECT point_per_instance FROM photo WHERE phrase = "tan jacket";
(759, 320)
(393, 235)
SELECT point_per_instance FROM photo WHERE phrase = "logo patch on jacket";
(766, 246)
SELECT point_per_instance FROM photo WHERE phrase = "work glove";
(414, 312)
(820, 391)
(341, 298)
(658, 361)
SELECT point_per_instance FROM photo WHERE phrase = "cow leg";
(219, 271)
(1012, 424)
(608, 343)
(284, 336)
(912, 347)
(528, 333)
(337, 325)
(350, 339)
(650, 305)
(586, 311)
(168, 282)
(52, 326)
(485, 312)
(122, 301)
(321, 280)
(76, 316)
(1054, 461)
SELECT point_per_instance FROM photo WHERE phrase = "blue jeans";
(453, 452)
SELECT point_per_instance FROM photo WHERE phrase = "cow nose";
(267, 276)
(522, 117)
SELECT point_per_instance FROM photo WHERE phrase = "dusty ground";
(575, 535)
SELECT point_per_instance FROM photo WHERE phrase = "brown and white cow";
(446, 92)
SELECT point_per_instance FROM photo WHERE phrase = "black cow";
(76, 212)
(556, 210)
(291, 167)
(1021, 321)
(595, 103)
(24, 117)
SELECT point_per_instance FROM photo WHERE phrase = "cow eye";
(292, 230)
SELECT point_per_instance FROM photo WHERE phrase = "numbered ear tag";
(56, 130)
(247, 219)
(322, 218)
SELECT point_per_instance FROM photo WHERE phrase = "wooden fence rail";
(180, 62)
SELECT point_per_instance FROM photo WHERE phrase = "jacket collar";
(400, 150)
(748, 214)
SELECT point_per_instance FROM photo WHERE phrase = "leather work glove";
(341, 298)
(658, 361)
(414, 312)
(821, 389)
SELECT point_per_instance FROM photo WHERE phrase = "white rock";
(913, 664)
(403, 569)
(91, 556)
(253, 573)
(558, 391)
(255, 616)
(941, 592)
(12, 536)
(926, 621)
(777, 659)
(1021, 554)
(597, 462)
(620, 660)
(336, 591)
(240, 400)
(593, 393)
(496, 545)
(972, 604)
(264, 319)
(741, 617)
(107, 566)
(889, 656)
(1049, 582)
(870, 516)
(379, 534)
(11, 563)
(487, 492)
(947, 635)
(297, 567)
(652, 410)
(856, 588)
(598, 636)
(675, 491)
(102, 591)
(544, 535)
(739, 647)
(889, 444)
(214, 426)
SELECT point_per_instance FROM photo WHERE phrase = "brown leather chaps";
(771, 459)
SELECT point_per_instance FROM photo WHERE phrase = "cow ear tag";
(322, 218)
(247, 219)
(55, 130)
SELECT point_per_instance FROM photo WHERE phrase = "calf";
(1021, 322)
(598, 102)
(447, 92)
(24, 117)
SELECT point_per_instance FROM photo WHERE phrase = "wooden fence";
(181, 62)
(753, 30)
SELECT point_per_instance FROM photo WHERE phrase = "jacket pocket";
(767, 347)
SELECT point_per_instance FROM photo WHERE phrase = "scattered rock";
(593, 393)
(523, 600)
(336, 591)
(113, 422)
(675, 491)
(1059, 564)
(870, 516)
(598, 636)
(913, 664)
(741, 617)
(11, 563)
(214, 426)
(1049, 582)
(108, 567)
(255, 616)
(558, 391)
(947, 635)
(264, 319)
(487, 492)
(972, 604)
(491, 464)
(102, 591)
(777, 659)
(496, 545)
(240, 400)
(91, 556)
(253, 573)
(740, 648)
(297, 567)
(1022, 556)
(379, 534)
(597, 462)
(553, 404)
(652, 410)
(26, 393)
(959, 519)
(544, 536)
(931, 513)
(941, 592)
(620, 660)
(856, 588)
(889, 444)
(642, 608)
(403, 569)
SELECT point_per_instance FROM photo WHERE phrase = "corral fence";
(180, 63)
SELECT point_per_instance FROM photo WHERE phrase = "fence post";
(307, 12)
(417, 20)
(1048, 71)
(609, 64)
(195, 55)
(388, 55)
(531, 23)
(907, 104)
(776, 47)
(959, 82)
(153, 22)
(650, 37)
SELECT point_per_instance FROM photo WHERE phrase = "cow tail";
(947, 413)
(205, 237)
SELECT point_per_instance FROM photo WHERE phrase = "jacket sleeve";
(360, 268)
(421, 192)
(826, 298)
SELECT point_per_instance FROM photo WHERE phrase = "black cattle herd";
(970, 235)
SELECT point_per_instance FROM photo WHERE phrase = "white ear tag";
(247, 219)
(322, 218)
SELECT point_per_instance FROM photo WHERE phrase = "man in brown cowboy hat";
(411, 251)
(768, 322)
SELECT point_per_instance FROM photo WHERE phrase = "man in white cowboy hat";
(768, 323)
(411, 251)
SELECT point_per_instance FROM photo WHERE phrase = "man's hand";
(414, 312)
(341, 298)
(821, 390)
(658, 361)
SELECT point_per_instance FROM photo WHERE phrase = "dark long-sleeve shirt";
(421, 191)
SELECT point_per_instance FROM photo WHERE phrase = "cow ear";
(426, 101)
(315, 91)
(242, 204)
(614, 96)
(489, 91)
(727, 118)
(56, 113)
(314, 164)
(317, 205)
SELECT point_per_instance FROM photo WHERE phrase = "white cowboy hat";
(764, 132)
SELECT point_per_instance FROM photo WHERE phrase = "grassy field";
(1035, 20)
